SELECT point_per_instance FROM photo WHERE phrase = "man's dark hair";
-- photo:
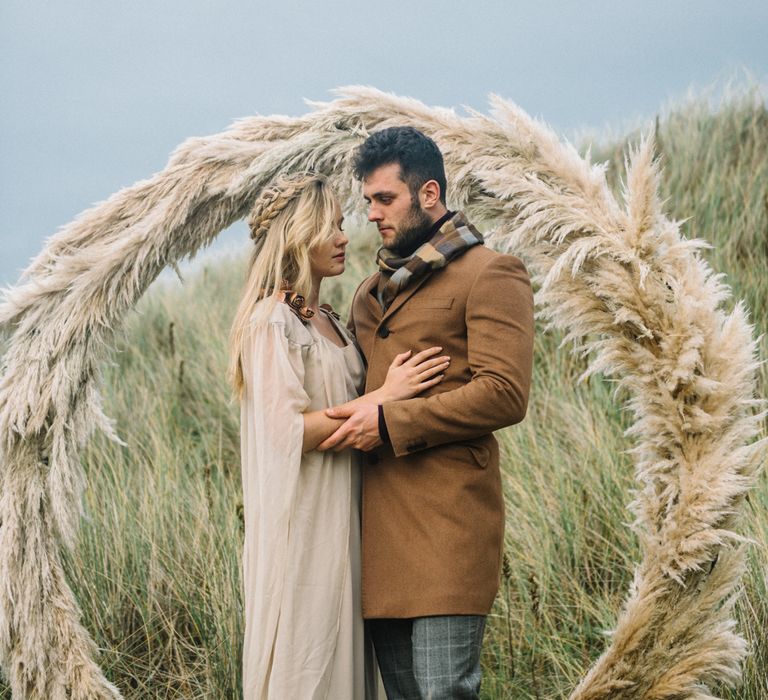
(417, 155)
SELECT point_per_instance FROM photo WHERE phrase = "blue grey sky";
(96, 94)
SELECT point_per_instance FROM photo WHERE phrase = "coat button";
(383, 332)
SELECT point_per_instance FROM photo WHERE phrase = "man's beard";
(412, 232)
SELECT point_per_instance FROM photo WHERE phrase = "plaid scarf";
(454, 237)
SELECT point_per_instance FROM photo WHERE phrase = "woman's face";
(327, 259)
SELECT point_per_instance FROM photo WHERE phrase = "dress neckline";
(332, 318)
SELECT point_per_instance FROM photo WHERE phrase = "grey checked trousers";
(429, 658)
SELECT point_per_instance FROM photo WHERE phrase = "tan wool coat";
(433, 510)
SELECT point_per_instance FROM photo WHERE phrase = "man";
(433, 512)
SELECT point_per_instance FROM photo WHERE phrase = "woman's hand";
(408, 376)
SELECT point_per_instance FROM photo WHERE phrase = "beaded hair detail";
(274, 198)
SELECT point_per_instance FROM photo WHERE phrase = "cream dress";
(304, 636)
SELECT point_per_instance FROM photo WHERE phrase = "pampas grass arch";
(617, 277)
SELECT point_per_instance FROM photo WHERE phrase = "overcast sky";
(96, 94)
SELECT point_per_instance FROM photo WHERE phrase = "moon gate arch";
(616, 276)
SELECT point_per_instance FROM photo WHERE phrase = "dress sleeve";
(272, 428)
(274, 375)
(274, 402)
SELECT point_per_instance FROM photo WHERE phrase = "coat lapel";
(369, 295)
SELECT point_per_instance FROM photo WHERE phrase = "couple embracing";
(373, 505)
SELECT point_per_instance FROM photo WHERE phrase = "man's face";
(400, 219)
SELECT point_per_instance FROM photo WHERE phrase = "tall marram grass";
(156, 569)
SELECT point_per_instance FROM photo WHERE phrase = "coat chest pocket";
(430, 302)
(430, 320)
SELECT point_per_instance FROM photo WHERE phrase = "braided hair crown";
(275, 197)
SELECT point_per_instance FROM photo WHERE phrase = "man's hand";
(360, 429)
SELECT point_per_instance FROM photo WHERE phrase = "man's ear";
(430, 194)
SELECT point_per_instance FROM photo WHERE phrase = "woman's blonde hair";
(292, 216)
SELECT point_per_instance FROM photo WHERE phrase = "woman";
(291, 359)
